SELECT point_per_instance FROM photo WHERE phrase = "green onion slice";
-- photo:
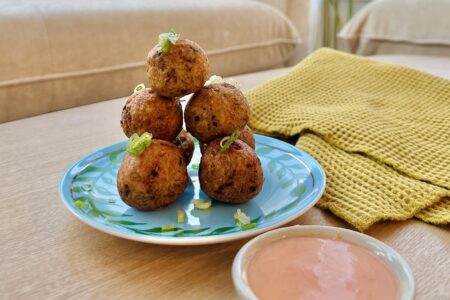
(139, 87)
(170, 227)
(214, 79)
(228, 141)
(195, 166)
(180, 217)
(218, 79)
(241, 218)
(137, 144)
(202, 204)
(166, 40)
(81, 204)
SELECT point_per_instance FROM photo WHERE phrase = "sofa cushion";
(399, 27)
(60, 54)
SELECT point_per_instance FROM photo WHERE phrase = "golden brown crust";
(247, 136)
(181, 71)
(203, 147)
(153, 179)
(145, 111)
(216, 111)
(232, 177)
(185, 142)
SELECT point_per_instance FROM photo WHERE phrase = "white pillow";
(399, 27)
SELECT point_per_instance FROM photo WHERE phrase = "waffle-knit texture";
(381, 132)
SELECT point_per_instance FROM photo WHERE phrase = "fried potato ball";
(216, 111)
(185, 142)
(153, 179)
(181, 71)
(235, 176)
(145, 111)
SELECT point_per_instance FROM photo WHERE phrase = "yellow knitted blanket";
(380, 131)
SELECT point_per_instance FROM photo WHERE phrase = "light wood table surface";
(46, 253)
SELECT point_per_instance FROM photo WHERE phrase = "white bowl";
(398, 265)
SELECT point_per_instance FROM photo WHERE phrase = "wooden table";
(47, 253)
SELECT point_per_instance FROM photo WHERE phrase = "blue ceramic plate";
(294, 182)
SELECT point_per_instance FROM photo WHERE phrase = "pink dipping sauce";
(316, 268)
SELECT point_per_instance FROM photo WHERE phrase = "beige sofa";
(60, 54)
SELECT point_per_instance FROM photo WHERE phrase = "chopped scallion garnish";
(195, 166)
(81, 204)
(202, 204)
(166, 40)
(229, 140)
(214, 79)
(241, 218)
(170, 227)
(139, 87)
(180, 217)
(137, 144)
(218, 79)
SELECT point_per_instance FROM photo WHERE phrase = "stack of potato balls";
(154, 170)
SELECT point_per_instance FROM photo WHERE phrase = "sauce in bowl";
(320, 268)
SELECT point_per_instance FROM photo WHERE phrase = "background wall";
(316, 21)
